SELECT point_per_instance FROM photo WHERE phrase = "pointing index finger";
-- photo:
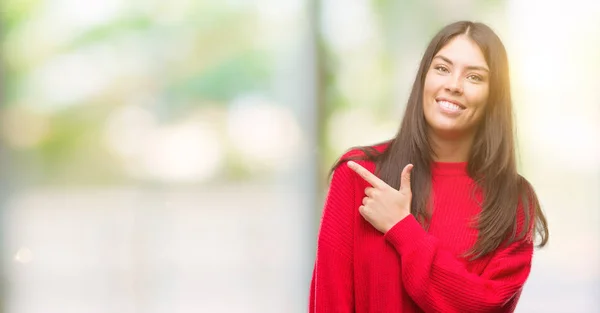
(366, 175)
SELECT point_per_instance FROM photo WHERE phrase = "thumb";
(405, 179)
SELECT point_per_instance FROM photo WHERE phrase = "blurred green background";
(171, 156)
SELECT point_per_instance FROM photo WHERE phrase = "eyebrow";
(471, 67)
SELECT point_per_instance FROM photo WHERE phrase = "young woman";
(436, 219)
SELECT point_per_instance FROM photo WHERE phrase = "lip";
(462, 106)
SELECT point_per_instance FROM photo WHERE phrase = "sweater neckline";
(449, 168)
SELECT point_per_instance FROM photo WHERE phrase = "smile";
(450, 107)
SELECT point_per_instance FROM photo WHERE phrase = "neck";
(451, 149)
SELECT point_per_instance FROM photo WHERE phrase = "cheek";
(431, 84)
(427, 92)
(430, 89)
(478, 98)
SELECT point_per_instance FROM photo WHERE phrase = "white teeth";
(449, 105)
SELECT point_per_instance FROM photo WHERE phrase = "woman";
(436, 219)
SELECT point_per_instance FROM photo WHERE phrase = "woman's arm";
(438, 282)
(331, 288)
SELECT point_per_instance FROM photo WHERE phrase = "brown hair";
(492, 162)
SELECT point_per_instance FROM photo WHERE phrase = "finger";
(366, 175)
(405, 179)
(364, 201)
(369, 191)
(364, 211)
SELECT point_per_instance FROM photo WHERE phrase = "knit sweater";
(408, 269)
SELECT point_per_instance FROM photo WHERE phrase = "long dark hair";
(492, 161)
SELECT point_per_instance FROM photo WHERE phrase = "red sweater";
(358, 269)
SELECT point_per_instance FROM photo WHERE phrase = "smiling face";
(456, 89)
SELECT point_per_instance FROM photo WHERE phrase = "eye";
(475, 78)
(441, 69)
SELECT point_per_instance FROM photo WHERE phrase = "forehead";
(462, 50)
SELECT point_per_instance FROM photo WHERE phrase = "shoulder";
(357, 155)
(528, 204)
(525, 186)
(363, 155)
(527, 195)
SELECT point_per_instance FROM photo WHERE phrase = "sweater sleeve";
(438, 282)
(331, 288)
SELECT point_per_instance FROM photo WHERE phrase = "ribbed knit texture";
(358, 269)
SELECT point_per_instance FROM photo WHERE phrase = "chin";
(442, 124)
(447, 131)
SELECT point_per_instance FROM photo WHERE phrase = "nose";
(454, 85)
